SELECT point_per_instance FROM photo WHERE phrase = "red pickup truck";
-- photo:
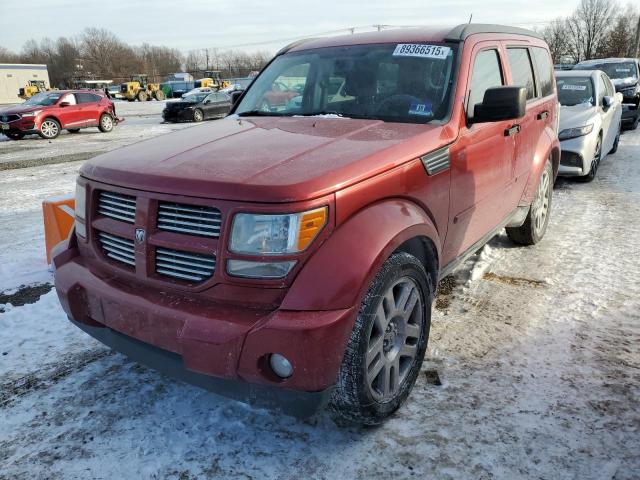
(290, 256)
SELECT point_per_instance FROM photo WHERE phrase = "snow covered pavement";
(533, 368)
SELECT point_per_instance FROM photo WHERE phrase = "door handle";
(512, 131)
(543, 115)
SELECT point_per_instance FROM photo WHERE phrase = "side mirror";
(64, 104)
(501, 103)
(607, 102)
(235, 96)
(207, 101)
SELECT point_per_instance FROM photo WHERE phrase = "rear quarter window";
(544, 70)
(521, 70)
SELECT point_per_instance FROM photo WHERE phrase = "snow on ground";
(538, 351)
(142, 121)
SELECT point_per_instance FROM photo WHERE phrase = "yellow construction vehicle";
(139, 89)
(33, 87)
(212, 79)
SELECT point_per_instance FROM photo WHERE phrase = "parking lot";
(532, 370)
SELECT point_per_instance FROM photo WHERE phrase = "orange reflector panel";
(58, 216)
(310, 225)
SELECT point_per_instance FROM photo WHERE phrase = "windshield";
(575, 90)
(195, 97)
(409, 83)
(44, 98)
(614, 70)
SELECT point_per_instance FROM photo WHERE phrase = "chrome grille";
(190, 219)
(184, 265)
(118, 248)
(10, 118)
(117, 206)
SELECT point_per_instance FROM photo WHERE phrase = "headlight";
(276, 234)
(80, 211)
(575, 132)
(30, 114)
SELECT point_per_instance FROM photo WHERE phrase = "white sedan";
(590, 121)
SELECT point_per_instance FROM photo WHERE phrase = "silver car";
(590, 121)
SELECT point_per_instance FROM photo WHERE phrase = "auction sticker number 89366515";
(421, 50)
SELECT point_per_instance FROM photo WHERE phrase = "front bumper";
(220, 347)
(577, 154)
(23, 125)
(629, 113)
(177, 116)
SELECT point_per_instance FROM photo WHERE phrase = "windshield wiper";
(320, 113)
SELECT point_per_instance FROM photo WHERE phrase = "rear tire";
(387, 344)
(535, 225)
(49, 128)
(159, 95)
(106, 123)
(142, 96)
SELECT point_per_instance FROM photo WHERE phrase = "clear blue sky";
(191, 24)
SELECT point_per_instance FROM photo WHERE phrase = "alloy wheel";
(393, 342)
(49, 129)
(541, 203)
(107, 122)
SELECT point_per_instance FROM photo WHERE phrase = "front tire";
(198, 116)
(595, 163)
(535, 225)
(387, 344)
(142, 96)
(49, 128)
(159, 95)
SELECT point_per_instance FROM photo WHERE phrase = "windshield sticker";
(623, 69)
(422, 109)
(421, 50)
(567, 86)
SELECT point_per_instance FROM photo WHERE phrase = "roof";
(576, 73)
(600, 61)
(409, 35)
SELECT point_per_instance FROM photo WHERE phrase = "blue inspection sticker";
(423, 109)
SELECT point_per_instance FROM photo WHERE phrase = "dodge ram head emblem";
(140, 235)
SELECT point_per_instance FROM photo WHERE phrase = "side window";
(210, 98)
(86, 97)
(602, 89)
(521, 70)
(544, 70)
(486, 73)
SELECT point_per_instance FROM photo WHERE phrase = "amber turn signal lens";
(310, 225)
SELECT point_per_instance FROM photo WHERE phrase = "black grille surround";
(195, 220)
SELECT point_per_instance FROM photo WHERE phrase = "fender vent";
(436, 162)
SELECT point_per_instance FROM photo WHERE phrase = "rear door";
(481, 169)
(532, 125)
(89, 107)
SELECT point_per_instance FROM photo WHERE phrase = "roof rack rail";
(461, 32)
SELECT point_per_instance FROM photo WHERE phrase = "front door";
(70, 116)
(481, 161)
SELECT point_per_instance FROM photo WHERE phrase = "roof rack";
(461, 32)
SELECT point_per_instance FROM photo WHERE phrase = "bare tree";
(555, 34)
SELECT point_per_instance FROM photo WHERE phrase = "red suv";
(47, 113)
(291, 257)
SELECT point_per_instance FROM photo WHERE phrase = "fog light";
(280, 365)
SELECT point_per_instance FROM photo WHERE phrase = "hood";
(266, 159)
(621, 83)
(576, 115)
(19, 109)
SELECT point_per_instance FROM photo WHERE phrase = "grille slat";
(184, 265)
(118, 248)
(190, 219)
(117, 206)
